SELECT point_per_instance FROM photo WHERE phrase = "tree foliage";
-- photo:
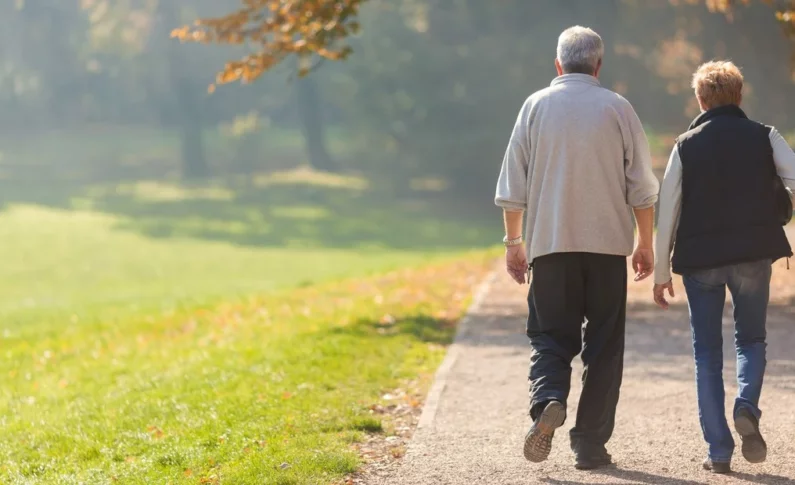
(278, 29)
(784, 9)
(426, 101)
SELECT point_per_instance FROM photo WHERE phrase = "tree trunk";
(311, 118)
(187, 100)
(194, 161)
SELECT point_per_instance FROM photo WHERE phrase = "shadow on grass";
(332, 212)
(419, 327)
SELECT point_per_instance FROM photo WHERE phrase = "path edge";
(440, 379)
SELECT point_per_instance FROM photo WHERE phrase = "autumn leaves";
(277, 30)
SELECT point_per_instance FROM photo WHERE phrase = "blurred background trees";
(97, 89)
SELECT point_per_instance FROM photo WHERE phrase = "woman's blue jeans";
(749, 286)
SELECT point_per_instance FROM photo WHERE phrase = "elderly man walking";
(723, 203)
(577, 165)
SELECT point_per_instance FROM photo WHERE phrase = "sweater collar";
(576, 78)
(728, 110)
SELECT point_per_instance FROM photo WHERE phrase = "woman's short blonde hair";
(718, 83)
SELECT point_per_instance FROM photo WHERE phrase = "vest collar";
(728, 110)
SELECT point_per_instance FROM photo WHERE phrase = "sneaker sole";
(538, 442)
(754, 447)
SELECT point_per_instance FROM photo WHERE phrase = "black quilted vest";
(728, 207)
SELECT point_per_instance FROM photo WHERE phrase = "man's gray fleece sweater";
(578, 161)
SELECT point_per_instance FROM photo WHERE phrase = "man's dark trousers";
(577, 303)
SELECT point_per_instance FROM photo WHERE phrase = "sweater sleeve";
(642, 184)
(784, 158)
(668, 221)
(512, 183)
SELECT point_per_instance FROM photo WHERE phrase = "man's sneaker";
(592, 461)
(717, 466)
(747, 426)
(538, 442)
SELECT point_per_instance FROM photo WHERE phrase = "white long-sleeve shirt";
(671, 200)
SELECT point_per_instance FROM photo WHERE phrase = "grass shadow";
(303, 210)
(419, 327)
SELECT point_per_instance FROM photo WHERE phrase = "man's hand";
(643, 263)
(659, 294)
(516, 263)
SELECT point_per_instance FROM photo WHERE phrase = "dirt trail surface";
(473, 424)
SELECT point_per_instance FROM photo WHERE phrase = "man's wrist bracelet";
(512, 242)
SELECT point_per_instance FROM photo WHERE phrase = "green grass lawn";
(63, 269)
(153, 333)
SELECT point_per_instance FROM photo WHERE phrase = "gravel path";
(474, 421)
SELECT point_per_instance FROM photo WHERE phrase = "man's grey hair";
(580, 50)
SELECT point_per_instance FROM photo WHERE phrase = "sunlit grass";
(146, 337)
(270, 390)
(306, 176)
(62, 268)
(164, 191)
(155, 246)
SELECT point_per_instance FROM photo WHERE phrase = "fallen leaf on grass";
(377, 409)
(190, 326)
(156, 432)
